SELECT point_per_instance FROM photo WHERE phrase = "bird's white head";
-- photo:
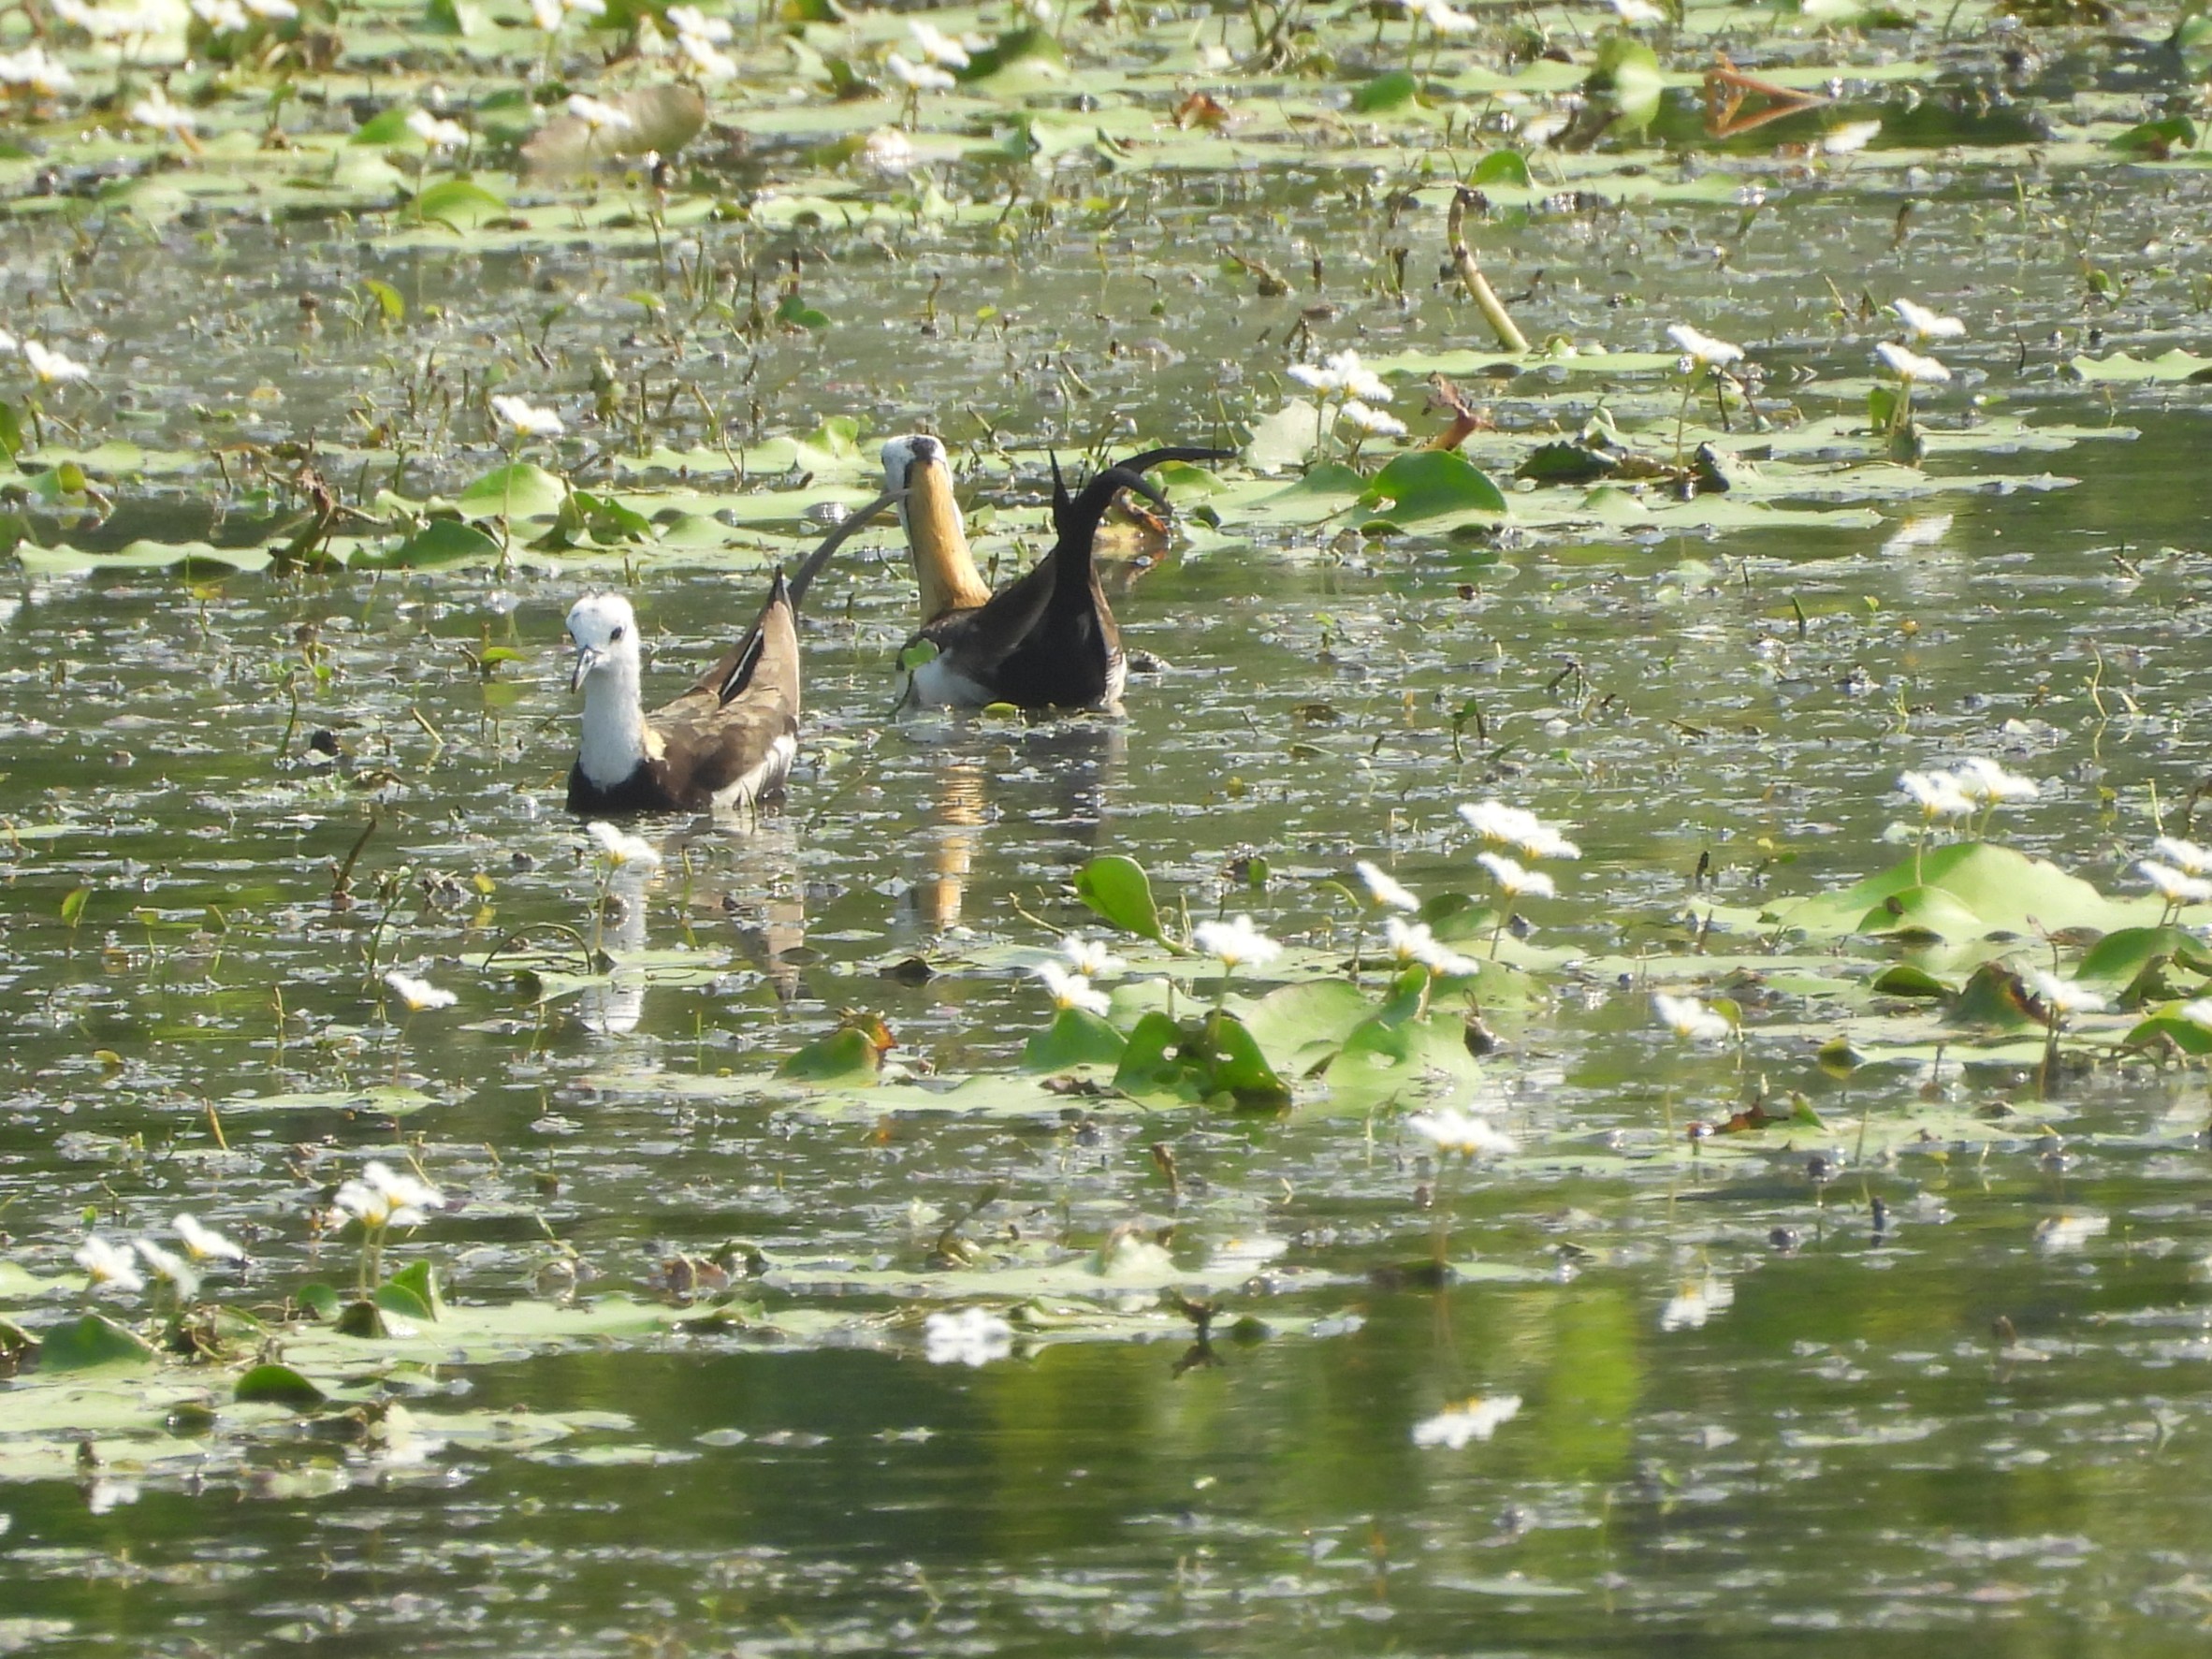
(605, 629)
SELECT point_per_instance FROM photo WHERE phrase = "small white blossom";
(1477, 1418)
(202, 1243)
(1371, 422)
(2062, 997)
(275, 12)
(707, 61)
(35, 71)
(597, 114)
(919, 77)
(2198, 1012)
(548, 15)
(384, 1197)
(167, 1264)
(1688, 1017)
(1909, 366)
(2061, 1235)
(438, 133)
(1449, 1129)
(1515, 826)
(1851, 138)
(1513, 881)
(1937, 795)
(1341, 374)
(1923, 324)
(620, 849)
(937, 46)
(2186, 856)
(418, 994)
(2176, 887)
(1090, 957)
(1637, 13)
(156, 111)
(1384, 890)
(52, 368)
(1702, 349)
(1443, 18)
(1695, 1304)
(1981, 779)
(1412, 942)
(526, 417)
(108, 1264)
(972, 1336)
(222, 17)
(1072, 990)
(1237, 943)
(689, 19)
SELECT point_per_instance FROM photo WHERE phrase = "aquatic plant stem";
(1478, 285)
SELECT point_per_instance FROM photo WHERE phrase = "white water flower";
(1637, 13)
(707, 61)
(599, 115)
(1236, 943)
(275, 12)
(1923, 324)
(972, 1336)
(689, 19)
(1341, 374)
(1449, 1129)
(435, 131)
(37, 72)
(1850, 138)
(202, 1243)
(108, 1264)
(384, 1197)
(919, 78)
(222, 17)
(1443, 18)
(1516, 827)
(2061, 1235)
(2184, 855)
(1090, 957)
(526, 417)
(418, 994)
(1072, 990)
(1937, 795)
(2198, 1012)
(2176, 887)
(167, 1264)
(1412, 942)
(1982, 780)
(1476, 1419)
(1688, 1017)
(1695, 1302)
(620, 849)
(548, 15)
(1514, 882)
(937, 46)
(156, 111)
(1702, 349)
(2061, 995)
(1371, 422)
(52, 368)
(1384, 890)
(1909, 365)
(116, 23)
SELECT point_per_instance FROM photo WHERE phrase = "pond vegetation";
(1611, 1048)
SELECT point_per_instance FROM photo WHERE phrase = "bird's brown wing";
(728, 725)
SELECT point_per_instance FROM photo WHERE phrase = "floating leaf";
(1427, 483)
(1118, 889)
(90, 1341)
(278, 1385)
(519, 490)
(1075, 1038)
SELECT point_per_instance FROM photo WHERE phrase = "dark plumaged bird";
(1047, 639)
(728, 741)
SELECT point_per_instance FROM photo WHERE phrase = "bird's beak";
(586, 660)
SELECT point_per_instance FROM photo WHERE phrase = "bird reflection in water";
(741, 873)
(1062, 775)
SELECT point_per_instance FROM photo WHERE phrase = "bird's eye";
(614, 635)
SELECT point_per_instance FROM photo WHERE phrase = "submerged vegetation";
(1648, 897)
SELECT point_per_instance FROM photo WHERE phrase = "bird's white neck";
(614, 724)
